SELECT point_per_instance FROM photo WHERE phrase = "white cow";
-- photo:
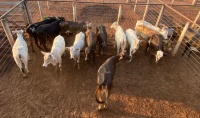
(78, 45)
(20, 52)
(120, 37)
(133, 41)
(57, 50)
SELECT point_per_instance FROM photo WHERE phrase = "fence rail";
(101, 12)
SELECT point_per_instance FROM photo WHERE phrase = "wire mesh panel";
(52, 8)
(189, 11)
(15, 20)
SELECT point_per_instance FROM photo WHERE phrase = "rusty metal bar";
(7, 31)
(11, 9)
(40, 10)
(119, 14)
(74, 12)
(160, 15)
(146, 10)
(196, 19)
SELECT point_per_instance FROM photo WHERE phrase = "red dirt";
(140, 88)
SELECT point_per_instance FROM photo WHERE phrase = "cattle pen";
(141, 89)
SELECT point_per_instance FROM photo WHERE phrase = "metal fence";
(100, 12)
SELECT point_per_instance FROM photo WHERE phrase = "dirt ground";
(140, 89)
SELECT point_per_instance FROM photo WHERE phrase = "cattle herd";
(54, 29)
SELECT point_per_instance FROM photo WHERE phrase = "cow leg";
(151, 58)
(186, 48)
(60, 66)
(130, 55)
(32, 45)
(189, 53)
(118, 48)
(99, 50)
(147, 46)
(99, 97)
(26, 67)
(22, 69)
(93, 56)
(44, 45)
(36, 42)
(78, 61)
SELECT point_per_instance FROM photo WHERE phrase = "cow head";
(89, 25)
(114, 25)
(159, 55)
(19, 32)
(123, 55)
(48, 58)
(73, 51)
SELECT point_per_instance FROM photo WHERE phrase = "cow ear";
(43, 52)
(67, 48)
(14, 32)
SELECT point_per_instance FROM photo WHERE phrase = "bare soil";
(140, 89)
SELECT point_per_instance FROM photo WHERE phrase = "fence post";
(7, 31)
(40, 10)
(198, 15)
(135, 6)
(180, 38)
(48, 5)
(119, 14)
(74, 12)
(160, 15)
(172, 2)
(146, 10)
(194, 2)
(26, 10)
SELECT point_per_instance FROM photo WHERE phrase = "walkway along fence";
(26, 12)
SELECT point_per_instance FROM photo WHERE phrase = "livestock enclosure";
(141, 89)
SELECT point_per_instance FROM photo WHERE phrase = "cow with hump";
(75, 50)
(155, 46)
(120, 37)
(90, 44)
(102, 38)
(31, 29)
(20, 52)
(48, 32)
(105, 76)
(133, 42)
(72, 27)
(57, 50)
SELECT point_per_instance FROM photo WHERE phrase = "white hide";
(120, 37)
(20, 49)
(159, 55)
(148, 25)
(78, 45)
(57, 50)
(133, 41)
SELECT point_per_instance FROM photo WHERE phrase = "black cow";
(48, 32)
(155, 46)
(32, 28)
(72, 27)
(193, 43)
(105, 77)
(102, 38)
(90, 44)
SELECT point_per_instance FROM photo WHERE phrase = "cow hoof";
(105, 106)
(98, 108)
(25, 76)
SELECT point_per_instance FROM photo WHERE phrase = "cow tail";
(99, 87)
